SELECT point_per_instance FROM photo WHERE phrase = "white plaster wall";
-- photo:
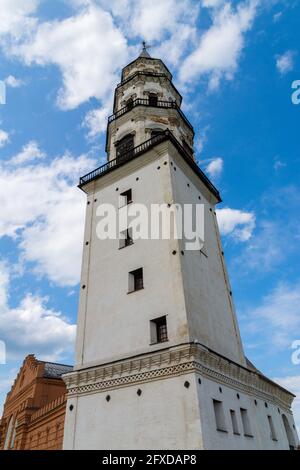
(113, 323)
(258, 416)
(169, 416)
(165, 416)
(211, 315)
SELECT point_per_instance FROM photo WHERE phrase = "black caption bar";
(134, 459)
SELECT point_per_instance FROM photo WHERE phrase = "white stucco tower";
(159, 359)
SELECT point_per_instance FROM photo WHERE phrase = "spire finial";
(144, 52)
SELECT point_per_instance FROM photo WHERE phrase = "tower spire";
(144, 52)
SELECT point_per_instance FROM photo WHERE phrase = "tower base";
(184, 397)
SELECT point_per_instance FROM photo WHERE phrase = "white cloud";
(292, 383)
(44, 210)
(90, 47)
(285, 62)
(278, 164)
(213, 3)
(236, 223)
(215, 167)
(13, 82)
(220, 47)
(152, 21)
(268, 248)
(16, 17)
(4, 138)
(174, 48)
(277, 16)
(279, 315)
(6, 381)
(87, 48)
(96, 121)
(30, 152)
(32, 326)
(201, 139)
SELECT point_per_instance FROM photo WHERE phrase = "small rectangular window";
(219, 416)
(234, 422)
(246, 423)
(126, 238)
(272, 428)
(126, 198)
(158, 330)
(136, 281)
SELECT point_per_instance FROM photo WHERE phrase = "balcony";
(125, 157)
(147, 102)
(163, 136)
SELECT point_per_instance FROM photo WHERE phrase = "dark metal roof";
(55, 371)
(145, 53)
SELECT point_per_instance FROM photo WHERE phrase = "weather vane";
(145, 46)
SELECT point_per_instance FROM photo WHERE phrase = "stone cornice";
(176, 361)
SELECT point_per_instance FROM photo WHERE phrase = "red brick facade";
(34, 410)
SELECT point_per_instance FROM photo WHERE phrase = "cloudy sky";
(235, 62)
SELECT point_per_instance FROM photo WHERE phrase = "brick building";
(34, 410)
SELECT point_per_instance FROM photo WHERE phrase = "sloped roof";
(145, 54)
(55, 371)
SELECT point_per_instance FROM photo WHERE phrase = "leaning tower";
(159, 358)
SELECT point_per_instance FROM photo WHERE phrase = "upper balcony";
(135, 152)
(154, 75)
(154, 103)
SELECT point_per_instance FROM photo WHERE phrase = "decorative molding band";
(172, 362)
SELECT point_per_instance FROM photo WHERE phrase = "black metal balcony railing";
(124, 157)
(147, 102)
(142, 148)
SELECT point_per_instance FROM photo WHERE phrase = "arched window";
(155, 132)
(129, 104)
(14, 433)
(289, 433)
(125, 145)
(8, 433)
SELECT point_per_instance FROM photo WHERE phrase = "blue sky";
(234, 62)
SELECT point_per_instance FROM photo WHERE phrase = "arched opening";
(125, 146)
(289, 433)
(8, 433)
(14, 433)
(155, 132)
(153, 99)
(129, 104)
